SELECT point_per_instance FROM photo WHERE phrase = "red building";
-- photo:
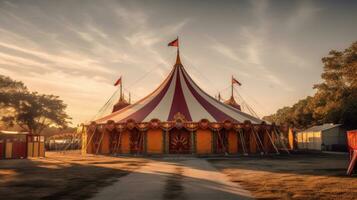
(17, 145)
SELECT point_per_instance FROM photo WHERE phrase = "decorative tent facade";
(179, 118)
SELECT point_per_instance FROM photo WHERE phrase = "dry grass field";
(311, 176)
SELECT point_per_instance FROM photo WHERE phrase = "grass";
(310, 176)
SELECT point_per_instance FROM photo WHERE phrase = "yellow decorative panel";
(203, 141)
(35, 149)
(125, 142)
(105, 143)
(154, 141)
(42, 149)
(8, 150)
(232, 142)
(30, 149)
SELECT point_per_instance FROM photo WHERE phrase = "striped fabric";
(179, 95)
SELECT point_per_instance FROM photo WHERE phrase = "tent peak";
(178, 59)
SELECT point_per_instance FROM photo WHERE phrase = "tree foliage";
(29, 110)
(335, 100)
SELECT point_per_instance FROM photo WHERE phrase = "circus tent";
(180, 118)
(179, 95)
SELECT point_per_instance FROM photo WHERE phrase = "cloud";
(66, 60)
(251, 57)
(225, 51)
(304, 12)
(77, 54)
(143, 39)
(132, 18)
(292, 58)
(94, 43)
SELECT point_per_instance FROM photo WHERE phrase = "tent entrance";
(179, 141)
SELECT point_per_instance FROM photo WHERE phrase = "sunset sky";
(77, 49)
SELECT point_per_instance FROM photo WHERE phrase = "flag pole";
(232, 87)
(129, 98)
(178, 46)
(178, 59)
(121, 88)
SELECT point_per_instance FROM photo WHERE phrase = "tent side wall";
(232, 142)
(330, 136)
(342, 136)
(202, 141)
(155, 141)
(334, 139)
(309, 140)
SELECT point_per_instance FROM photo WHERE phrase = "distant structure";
(122, 103)
(231, 101)
(352, 147)
(18, 145)
(180, 118)
(326, 137)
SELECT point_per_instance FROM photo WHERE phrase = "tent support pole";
(281, 142)
(100, 143)
(222, 143)
(271, 140)
(117, 145)
(91, 137)
(258, 139)
(242, 140)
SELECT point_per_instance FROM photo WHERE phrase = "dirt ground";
(312, 176)
(71, 176)
(61, 176)
(175, 178)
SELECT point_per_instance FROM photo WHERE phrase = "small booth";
(326, 137)
(19, 145)
(352, 147)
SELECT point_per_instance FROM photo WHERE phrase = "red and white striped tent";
(180, 96)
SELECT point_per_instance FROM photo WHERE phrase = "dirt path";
(180, 178)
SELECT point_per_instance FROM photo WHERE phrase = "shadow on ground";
(71, 176)
(61, 176)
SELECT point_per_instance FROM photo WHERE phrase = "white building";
(330, 137)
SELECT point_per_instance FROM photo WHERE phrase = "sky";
(78, 49)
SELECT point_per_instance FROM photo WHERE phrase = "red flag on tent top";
(174, 43)
(118, 82)
(234, 81)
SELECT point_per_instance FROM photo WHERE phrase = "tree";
(9, 90)
(336, 95)
(335, 100)
(29, 110)
(299, 115)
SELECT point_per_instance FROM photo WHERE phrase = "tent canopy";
(179, 96)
